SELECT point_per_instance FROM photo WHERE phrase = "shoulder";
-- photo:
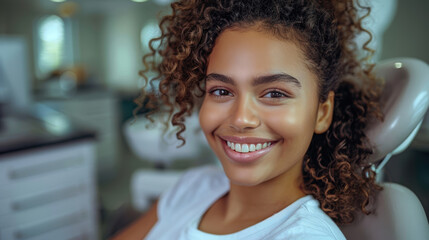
(191, 187)
(310, 222)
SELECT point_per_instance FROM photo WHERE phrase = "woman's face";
(261, 107)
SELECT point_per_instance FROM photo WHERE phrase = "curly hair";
(335, 169)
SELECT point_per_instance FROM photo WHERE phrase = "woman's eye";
(275, 94)
(220, 92)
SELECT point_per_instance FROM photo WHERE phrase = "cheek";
(209, 117)
(291, 122)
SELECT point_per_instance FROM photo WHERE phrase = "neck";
(265, 198)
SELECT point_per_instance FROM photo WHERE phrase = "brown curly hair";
(335, 169)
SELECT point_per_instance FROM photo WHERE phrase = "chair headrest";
(404, 100)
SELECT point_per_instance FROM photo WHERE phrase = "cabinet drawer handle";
(30, 171)
(50, 225)
(47, 198)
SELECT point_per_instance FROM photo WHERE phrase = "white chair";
(149, 143)
(399, 215)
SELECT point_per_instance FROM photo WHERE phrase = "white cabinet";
(49, 193)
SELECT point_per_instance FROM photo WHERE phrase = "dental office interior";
(74, 161)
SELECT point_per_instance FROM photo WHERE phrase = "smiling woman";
(249, 102)
(283, 102)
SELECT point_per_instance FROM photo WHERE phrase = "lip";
(248, 140)
(246, 158)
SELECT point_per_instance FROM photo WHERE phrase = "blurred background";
(69, 160)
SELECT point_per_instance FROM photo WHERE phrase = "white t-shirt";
(181, 208)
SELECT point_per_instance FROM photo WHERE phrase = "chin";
(244, 176)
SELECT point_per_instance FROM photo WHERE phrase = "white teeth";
(237, 147)
(230, 145)
(252, 147)
(245, 148)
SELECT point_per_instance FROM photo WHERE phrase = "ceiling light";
(58, 1)
(139, 1)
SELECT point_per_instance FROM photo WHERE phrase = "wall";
(408, 35)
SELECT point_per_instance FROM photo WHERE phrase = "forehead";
(247, 53)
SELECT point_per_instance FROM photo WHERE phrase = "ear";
(324, 114)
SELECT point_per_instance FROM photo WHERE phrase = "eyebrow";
(278, 77)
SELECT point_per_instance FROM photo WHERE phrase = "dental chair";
(399, 215)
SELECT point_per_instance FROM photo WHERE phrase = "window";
(50, 45)
(148, 32)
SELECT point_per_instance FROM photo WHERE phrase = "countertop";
(40, 127)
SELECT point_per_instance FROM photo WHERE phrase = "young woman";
(283, 101)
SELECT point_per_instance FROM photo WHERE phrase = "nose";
(245, 115)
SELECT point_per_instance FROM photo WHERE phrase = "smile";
(245, 148)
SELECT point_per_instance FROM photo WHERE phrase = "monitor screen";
(14, 74)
